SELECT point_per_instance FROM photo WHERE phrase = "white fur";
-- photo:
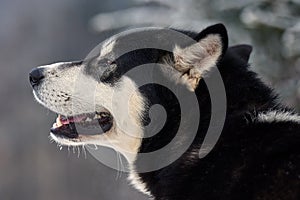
(107, 47)
(136, 182)
(278, 116)
(86, 95)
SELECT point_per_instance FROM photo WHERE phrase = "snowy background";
(36, 32)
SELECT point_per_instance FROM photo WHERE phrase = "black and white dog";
(256, 157)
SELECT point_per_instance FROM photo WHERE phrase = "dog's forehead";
(142, 38)
(127, 41)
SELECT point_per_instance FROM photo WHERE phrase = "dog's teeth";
(97, 116)
(101, 115)
(88, 119)
(58, 122)
(104, 115)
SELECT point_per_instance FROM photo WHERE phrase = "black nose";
(35, 76)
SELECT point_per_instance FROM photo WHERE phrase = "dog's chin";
(79, 129)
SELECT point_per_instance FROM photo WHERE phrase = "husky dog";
(256, 157)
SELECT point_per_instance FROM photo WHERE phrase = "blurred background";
(37, 32)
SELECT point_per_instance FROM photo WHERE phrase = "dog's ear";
(197, 59)
(243, 51)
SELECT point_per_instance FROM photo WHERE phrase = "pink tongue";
(72, 119)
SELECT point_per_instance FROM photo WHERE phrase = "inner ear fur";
(197, 59)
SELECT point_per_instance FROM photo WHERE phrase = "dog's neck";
(147, 182)
(151, 182)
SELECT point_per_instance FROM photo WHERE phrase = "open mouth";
(84, 124)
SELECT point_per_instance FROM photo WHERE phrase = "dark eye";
(106, 63)
(112, 62)
(109, 69)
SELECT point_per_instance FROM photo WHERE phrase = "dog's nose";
(35, 76)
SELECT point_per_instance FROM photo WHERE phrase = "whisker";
(84, 151)
(69, 151)
(117, 175)
(122, 165)
(78, 152)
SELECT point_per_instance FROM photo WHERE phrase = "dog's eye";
(112, 62)
(106, 63)
(108, 74)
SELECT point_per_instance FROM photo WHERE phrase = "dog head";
(98, 103)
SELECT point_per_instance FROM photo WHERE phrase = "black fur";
(251, 160)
